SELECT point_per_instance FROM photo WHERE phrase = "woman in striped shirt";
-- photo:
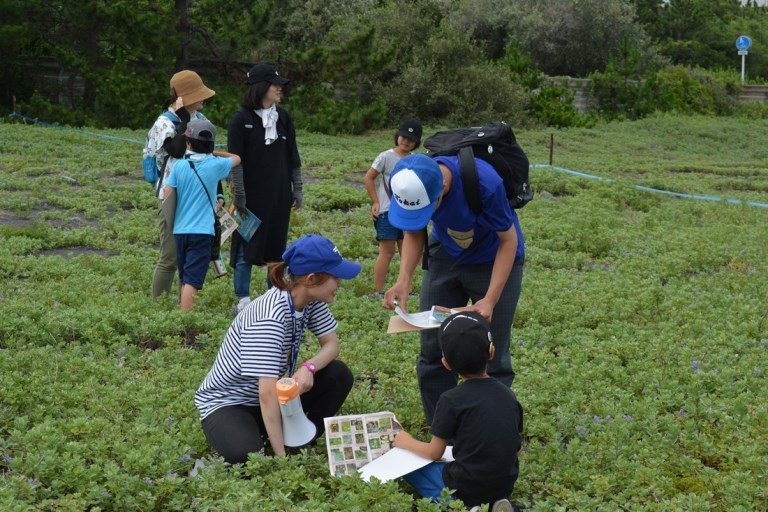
(238, 399)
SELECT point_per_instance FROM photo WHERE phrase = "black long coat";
(268, 177)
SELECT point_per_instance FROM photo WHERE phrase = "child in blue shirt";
(194, 179)
(481, 417)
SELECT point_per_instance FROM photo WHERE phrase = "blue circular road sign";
(743, 43)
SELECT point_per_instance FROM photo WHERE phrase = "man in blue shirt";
(477, 257)
(194, 179)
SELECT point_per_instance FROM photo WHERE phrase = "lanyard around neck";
(293, 355)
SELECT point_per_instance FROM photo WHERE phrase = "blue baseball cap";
(312, 254)
(416, 184)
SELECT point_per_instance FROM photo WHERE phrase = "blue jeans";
(241, 277)
(428, 481)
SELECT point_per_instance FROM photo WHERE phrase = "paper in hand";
(248, 225)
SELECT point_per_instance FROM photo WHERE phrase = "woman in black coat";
(263, 135)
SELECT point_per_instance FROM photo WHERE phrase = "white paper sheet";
(421, 320)
(228, 226)
(396, 463)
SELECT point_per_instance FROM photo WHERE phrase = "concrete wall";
(753, 93)
(583, 102)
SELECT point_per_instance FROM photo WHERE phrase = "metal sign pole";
(743, 57)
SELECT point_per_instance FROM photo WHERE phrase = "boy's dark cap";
(201, 129)
(465, 339)
(264, 72)
(411, 129)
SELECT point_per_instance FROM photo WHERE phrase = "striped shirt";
(263, 341)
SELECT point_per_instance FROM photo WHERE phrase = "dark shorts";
(193, 254)
(385, 230)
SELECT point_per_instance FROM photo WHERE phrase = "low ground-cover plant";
(639, 342)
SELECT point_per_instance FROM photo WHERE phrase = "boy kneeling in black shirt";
(481, 416)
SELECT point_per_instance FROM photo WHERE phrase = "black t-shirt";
(485, 422)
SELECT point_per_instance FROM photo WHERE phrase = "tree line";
(361, 64)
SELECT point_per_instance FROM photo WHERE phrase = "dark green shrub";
(521, 67)
(576, 38)
(320, 108)
(618, 96)
(724, 87)
(687, 90)
(221, 107)
(553, 106)
(450, 81)
(46, 110)
(691, 52)
(121, 93)
(676, 89)
(335, 86)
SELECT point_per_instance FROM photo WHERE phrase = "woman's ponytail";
(279, 276)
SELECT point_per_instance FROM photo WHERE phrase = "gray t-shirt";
(384, 164)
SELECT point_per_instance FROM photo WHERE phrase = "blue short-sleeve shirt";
(455, 225)
(194, 214)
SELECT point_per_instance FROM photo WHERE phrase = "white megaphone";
(297, 429)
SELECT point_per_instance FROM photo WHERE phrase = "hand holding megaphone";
(304, 378)
(297, 429)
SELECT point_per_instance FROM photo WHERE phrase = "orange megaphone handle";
(287, 390)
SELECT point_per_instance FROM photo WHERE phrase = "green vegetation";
(357, 65)
(639, 343)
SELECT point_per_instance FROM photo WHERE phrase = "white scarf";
(269, 120)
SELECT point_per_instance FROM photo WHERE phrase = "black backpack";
(495, 143)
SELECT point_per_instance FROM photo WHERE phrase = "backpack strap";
(176, 122)
(161, 174)
(385, 182)
(469, 180)
(471, 184)
(172, 118)
(192, 166)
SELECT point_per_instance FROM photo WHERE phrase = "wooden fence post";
(551, 146)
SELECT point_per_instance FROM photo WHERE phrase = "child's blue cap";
(312, 254)
(416, 184)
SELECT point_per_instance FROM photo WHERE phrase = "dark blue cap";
(312, 254)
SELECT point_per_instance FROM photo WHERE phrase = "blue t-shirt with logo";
(194, 214)
(456, 226)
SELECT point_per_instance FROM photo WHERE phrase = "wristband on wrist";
(309, 365)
